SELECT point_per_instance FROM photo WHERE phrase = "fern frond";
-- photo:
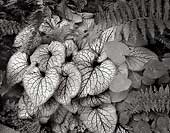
(151, 99)
(9, 27)
(142, 16)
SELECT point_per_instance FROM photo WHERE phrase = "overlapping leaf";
(116, 51)
(118, 96)
(49, 56)
(27, 109)
(100, 120)
(138, 57)
(96, 77)
(40, 86)
(155, 69)
(71, 47)
(70, 84)
(96, 100)
(16, 68)
(136, 79)
(24, 37)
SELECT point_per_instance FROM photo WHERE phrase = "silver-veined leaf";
(40, 86)
(101, 119)
(24, 37)
(96, 77)
(49, 56)
(26, 108)
(86, 25)
(96, 100)
(138, 57)
(120, 129)
(71, 47)
(70, 84)
(16, 68)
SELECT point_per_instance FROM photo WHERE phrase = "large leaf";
(116, 51)
(96, 77)
(138, 57)
(70, 84)
(136, 79)
(48, 56)
(96, 100)
(118, 96)
(100, 120)
(16, 68)
(40, 86)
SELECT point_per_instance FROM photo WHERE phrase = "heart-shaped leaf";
(100, 120)
(16, 68)
(96, 77)
(96, 100)
(70, 84)
(40, 86)
(138, 57)
(120, 83)
(155, 69)
(116, 51)
(49, 56)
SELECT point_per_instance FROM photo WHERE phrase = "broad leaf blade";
(100, 120)
(69, 85)
(16, 68)
(40, 87)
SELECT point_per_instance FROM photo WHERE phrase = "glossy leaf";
(40, 86)
(100, 120)
(116, 51)
(16, 68)
(96, 100)
(49, 56)
(70, 84)
(138, 57)
(120, 83)
(96, 77)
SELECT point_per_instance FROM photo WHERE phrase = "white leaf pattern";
(40, 87)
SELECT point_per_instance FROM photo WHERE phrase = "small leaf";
(26, 107)
(116, 51)
(16, 68)
(154, 69)
(71, 47)
(126, 31)
(147, 81)
(100, 120)
(96, 76)
(136, 79)
(142, 127)
(120, 83)
(70, 84)
(24, 37)
(96, 100)
(40, 86)
(118, 96)
(86, 25)
(138, 57)
(49, 56)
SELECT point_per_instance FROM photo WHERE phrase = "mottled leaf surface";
(16, 68)
(70, 84)
(100, 120)
(40, 87)
(96, 77)
(49, 56)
